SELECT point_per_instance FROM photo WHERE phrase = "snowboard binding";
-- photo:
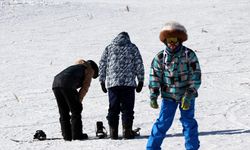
(40, 135)
(136, 131)
(101, 131)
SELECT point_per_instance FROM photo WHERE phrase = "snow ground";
(39, 38)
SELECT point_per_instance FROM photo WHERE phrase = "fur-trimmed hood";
(173, 29)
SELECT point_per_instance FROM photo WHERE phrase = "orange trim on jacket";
(89, 73)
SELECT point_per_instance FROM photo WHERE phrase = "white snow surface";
(39, 38)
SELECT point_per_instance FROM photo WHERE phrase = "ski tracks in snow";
(234, 116)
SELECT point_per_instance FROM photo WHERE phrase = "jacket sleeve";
(85, 85)
(155, 78)
(139, 67)
(194, 75)
(103, 65)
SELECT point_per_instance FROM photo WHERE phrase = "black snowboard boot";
(66, 130)
(82, 136)
(128, 133)
(100, 130)
(76, 128)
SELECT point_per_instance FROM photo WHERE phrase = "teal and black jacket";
(174, 74)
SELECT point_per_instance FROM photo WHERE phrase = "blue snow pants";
(165, 120)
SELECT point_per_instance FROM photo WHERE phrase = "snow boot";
(76, 127)
(66, 130)
(127, 131)
(113, 132)
(113, 127)
(101, 131)
(82, 136)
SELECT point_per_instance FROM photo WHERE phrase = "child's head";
(92, 64)
(94, 67)
(173, 29)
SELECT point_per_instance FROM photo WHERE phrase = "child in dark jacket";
(68, 98)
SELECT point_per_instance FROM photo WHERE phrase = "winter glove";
(103, 87)
(139, 87)
(154, 104)
(186, 99)
(185, 103)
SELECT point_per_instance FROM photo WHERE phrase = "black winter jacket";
(71, 77)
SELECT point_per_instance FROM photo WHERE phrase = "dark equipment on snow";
(136, 131)
(101, 131)
(40, 135)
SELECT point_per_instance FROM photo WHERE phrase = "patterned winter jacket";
(175, 74)
(121, 63)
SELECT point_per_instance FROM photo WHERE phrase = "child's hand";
(154, 104)
(185, 103)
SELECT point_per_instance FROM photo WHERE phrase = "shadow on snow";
(219, 132)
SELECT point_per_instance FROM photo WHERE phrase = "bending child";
(68, 98)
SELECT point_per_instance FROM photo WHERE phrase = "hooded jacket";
(121, 63)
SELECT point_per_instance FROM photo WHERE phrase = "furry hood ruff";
(173, 29)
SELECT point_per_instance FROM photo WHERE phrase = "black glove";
(191, 93)
(103, 87)
(139, 87)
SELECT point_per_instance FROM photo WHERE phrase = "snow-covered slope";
(39, 38)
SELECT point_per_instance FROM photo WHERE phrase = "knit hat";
(95, 67)
(173, 29)
(92, 64)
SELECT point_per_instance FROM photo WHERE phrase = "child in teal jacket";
(175, 74)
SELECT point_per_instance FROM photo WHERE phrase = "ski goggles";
(172, 40)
